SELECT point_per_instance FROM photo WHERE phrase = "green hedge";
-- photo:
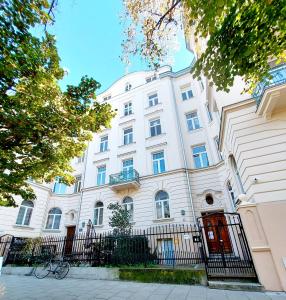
(179, 276)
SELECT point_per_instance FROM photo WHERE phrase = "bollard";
(1, 262)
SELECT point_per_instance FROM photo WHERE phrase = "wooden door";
(69, 239)
(217, 236)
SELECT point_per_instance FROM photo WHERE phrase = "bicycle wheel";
(42, 270)
(62, 270)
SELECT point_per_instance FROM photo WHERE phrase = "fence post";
(144, 243)
(99, 248)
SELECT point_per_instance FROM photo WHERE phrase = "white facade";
(174, 105)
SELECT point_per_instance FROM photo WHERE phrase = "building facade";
(159, 159)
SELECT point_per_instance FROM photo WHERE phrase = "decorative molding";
(121, 146)
(126, 122)
(155, 136)
(100, 160)
(126, 153)
(156, 146)
(158, 110)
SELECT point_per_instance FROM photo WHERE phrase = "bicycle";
(58, 267)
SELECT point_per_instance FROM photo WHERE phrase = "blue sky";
(89, 36)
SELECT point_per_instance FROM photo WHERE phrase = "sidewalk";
(26, 288)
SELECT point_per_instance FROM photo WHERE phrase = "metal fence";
(170, 245)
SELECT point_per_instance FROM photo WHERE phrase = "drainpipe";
(81, 192)
(183, 153)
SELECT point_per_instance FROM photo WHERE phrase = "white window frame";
(187, 93)
(103, 146)
(53, 216)
(98, 213)
(200, 155)
(26, 210)
(160, 206)
(78, 183)
(194, 120)
(157, 127)
(129, 206)
(153, 99)
(101, 175)
(127, 137)
(127, 109)
(157, 161)
(216, 140)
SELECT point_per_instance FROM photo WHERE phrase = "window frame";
(187, 93)
(160, 206)
(156, 163)
(154, 99)
(209, 113)
(200, 155)
(103, 146)
(78, 184)
(193, 121)
(157, 127)
(25, 213)
(98, 213)
(53, 216)
(127, 109)
(101, 175)
(61, 186)
(129, 206)
(127, 137)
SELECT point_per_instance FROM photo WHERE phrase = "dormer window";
(151, 78)
(127, 87)
(105, 98)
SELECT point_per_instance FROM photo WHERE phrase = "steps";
(235, 285)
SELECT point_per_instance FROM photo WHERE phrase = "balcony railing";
(278, 77)
(124, 179)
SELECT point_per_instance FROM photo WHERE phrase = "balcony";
(124, 180)
(270, 94)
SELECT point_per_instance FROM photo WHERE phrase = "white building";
(160, 159)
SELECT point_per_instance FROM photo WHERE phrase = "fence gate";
(225, 247)
(5, 242)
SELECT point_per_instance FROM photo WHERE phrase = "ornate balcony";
(124, 180)
(270, 93)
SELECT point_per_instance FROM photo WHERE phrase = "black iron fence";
(171, 245)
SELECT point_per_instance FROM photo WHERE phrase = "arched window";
(230, 192)
(162, 205)
(209, 199)
(54, 218)
(98, 213)
(236, 173)
(25, 213)
(128, 205)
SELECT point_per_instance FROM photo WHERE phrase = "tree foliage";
(41, 127)
(119, 219)
(241, 36)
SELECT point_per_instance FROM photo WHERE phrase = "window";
(54, 218)
(103, 143)
(25, 213)
(106, 97)
(127, 87)
(158, 162)
(151, 78)
(230, 192)
(98, 214)
(193, 121)
(59, 186)
(187, 94)
(162, 205)
(209, 199)
(77, 184)
(200, 156)
(202, 85)
(155, 127)
(127, 108)
(127, 168)
(216, 140)
(128, 136)
(236, 173)
(210, 116)
(153, 99)
(128, 205)
(101, 173)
